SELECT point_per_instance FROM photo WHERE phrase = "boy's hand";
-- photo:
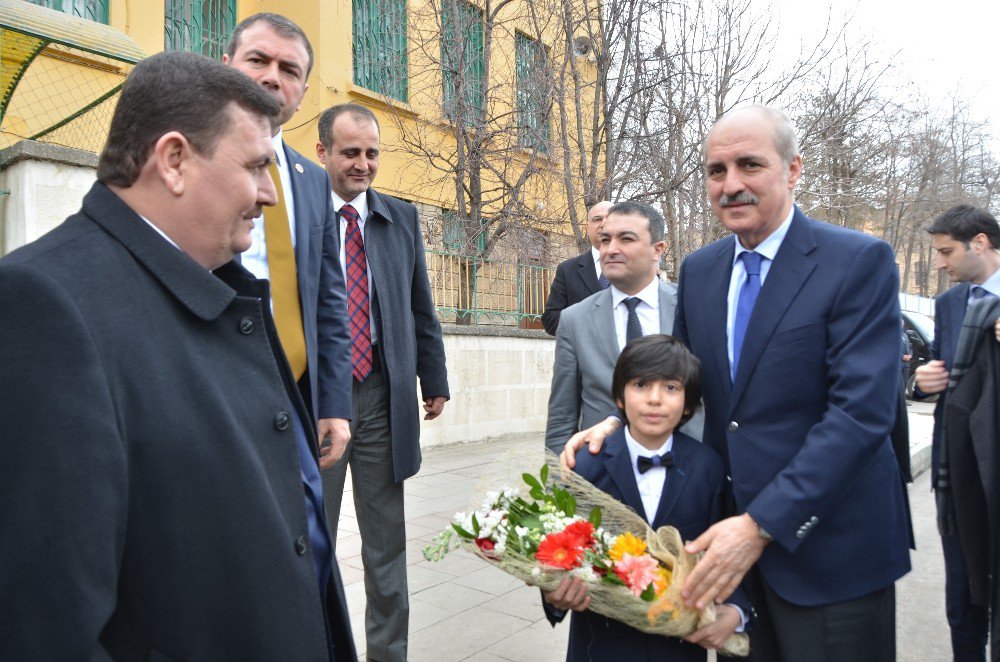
(714, 635)
(571, 594)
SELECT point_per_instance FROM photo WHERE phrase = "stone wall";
(499, 380)
(46, 183)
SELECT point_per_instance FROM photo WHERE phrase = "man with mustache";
(796, 325)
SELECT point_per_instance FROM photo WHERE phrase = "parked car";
(920, 331)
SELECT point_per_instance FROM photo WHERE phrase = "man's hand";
(714, 635)
(907, 357)
(434, 407)
(594, 436)
(931, 377)
(338, 432)
(571, 594)
(731, 547)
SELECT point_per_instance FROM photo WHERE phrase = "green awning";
(60, 74)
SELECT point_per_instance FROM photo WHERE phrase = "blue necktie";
(603, 282)
(633, 329)
(744, 304)
(979, 293)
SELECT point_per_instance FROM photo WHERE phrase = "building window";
(199, 26)
(533, 96)
(462, 60)
(95, 10)
(380, 60)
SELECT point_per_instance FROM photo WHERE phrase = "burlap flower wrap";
(666, 615)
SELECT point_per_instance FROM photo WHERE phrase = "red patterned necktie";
(357, 295)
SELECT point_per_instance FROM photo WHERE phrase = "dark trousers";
(968, 622)
(859, 630)
(378, 504)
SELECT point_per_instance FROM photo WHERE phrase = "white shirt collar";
(637, 450)
(649, 294)
(991, 284)
(360, 204)
(279, 148)
(596, 254)
(769, 247)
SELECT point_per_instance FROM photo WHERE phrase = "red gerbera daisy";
(560, 550)
(583, 530)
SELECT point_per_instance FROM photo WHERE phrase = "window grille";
(95, 10)
(462, 67)
(532, 94)
(199, 26)
(380, 59)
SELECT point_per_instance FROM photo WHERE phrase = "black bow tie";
(644, 464)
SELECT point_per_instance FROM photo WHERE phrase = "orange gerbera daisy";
(560, 550)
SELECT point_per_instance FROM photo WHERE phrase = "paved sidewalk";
(463, 609)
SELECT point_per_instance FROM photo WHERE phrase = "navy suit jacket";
(949, 311)
(576, 279)
(804, 430)
(322, 292)
(693, 499)
(409, 333)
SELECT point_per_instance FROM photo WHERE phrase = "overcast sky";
(939, 45)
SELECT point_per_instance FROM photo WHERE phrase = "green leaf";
(531, 481)
(475, 524)
(544, 473)
(595, 517)
(462, 532)
(570, 504)
(537, 493)
(649, 593)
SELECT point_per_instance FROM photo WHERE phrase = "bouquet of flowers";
(633, 574)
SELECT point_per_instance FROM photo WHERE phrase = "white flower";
(586, 573)
(536, 572)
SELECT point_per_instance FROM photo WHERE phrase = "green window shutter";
(95, 10)
(532, 94)
(200, 26)
(380, 47)
(462, 69)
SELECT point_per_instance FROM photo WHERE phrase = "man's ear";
(794, 171)
(321, 152)
(172, 155)
(660, 248)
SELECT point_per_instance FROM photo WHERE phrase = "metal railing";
(471, 290)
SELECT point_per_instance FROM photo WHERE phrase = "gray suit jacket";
(586, 353)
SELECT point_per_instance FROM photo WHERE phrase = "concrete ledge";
(494, 331)
(36, 151)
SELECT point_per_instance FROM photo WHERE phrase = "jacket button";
(801, 533)
(733, 426)
(301, 546)
(814, 521)
(246, 326)
(281, 420)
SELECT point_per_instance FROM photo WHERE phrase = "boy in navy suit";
(665, 476)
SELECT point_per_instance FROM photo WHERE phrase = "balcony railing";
(471, 290)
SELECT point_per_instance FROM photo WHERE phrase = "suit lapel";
(668, 302)
(602, 324)
(789, 272)
(299, 200)
(585, 267)
(618, 464)
(715, 305)
(956, 314)
(677, 477)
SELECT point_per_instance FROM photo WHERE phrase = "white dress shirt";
(360, 204)
(255, 259)
(650, 483)
(767, 249)
(648, 310)
(596, 254)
